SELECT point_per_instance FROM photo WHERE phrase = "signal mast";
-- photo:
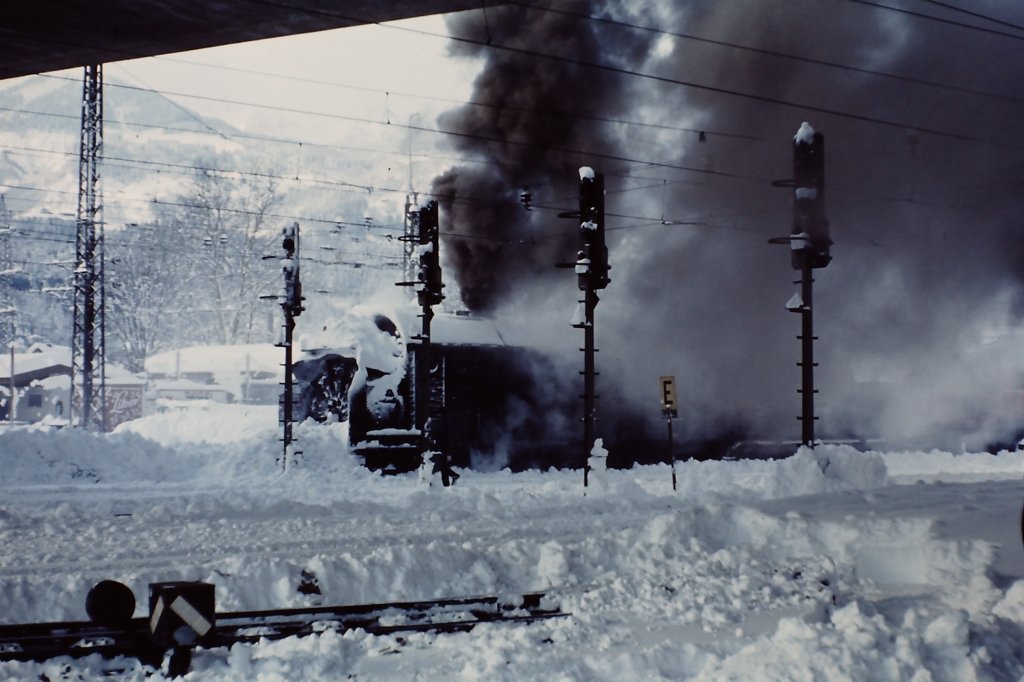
(591, 268)
(810, 245)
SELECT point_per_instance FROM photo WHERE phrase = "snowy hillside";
(154, 143)
(831, 564)
(148, 139)
(160, 158)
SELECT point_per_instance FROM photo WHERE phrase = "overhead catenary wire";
(343, 185)
(803, 106)
(198, 168)
(643, 221)
(622, 71)
(772, 53)
(711, 222)
(384, 260)
(490, 44)
(465, 102)
(355, 184)
(237, 134)
(939, 20)
(358, 186)
(578, 153)
(976, 15)
(395, 228)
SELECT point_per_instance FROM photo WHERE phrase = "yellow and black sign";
(668, 396)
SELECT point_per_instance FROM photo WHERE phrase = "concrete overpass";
(46, 35)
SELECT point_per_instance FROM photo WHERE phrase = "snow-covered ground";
(829, 565)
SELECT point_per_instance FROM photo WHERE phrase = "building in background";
(245, 373)
(42, 383)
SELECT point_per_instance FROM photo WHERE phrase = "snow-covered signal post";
(810, 245)
(291, 306)
(427, 405)
(591, 275)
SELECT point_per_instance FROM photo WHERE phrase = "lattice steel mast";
(410, 264)
(88, 344)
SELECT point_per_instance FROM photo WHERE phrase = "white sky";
(356, 67)
(361, 78)
(377, 57)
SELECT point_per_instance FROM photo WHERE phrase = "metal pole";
(291, 307)
(286, 399)
(671, 451)
(427, 413)
(423, 379)
(591, 274)
(589, 376)
(807, 354)
(11, 401)
(247, 386)
(102, 325)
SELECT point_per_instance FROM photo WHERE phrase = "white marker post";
(669, 408)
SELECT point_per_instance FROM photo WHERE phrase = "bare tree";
(147, 276)
(197, 274)
(232, 226)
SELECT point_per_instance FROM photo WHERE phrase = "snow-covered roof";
(227, 364)
(59, 381)
(465, 331)
(184, 385)
(120, 376)
(42, 360)
(39, 358)
(217, 359)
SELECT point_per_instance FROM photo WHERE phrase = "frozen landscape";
(446, 154)
(832, 564)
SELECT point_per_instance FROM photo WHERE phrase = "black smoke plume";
(528, 113)
(924, 198)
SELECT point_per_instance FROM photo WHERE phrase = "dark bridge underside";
(46, 35)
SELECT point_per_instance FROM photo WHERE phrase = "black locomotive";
(492, 404)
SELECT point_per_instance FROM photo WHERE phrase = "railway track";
(182, 617)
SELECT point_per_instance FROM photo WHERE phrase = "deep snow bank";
(231, 445)
(935, 465)
(825, 469)
(701, 584)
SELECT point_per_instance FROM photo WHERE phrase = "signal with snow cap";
(429, 288)
(592, 261)
(809, 244)
(591, 275)
(292, 302)
(810, 234)
(291, 307)
(427, 401)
